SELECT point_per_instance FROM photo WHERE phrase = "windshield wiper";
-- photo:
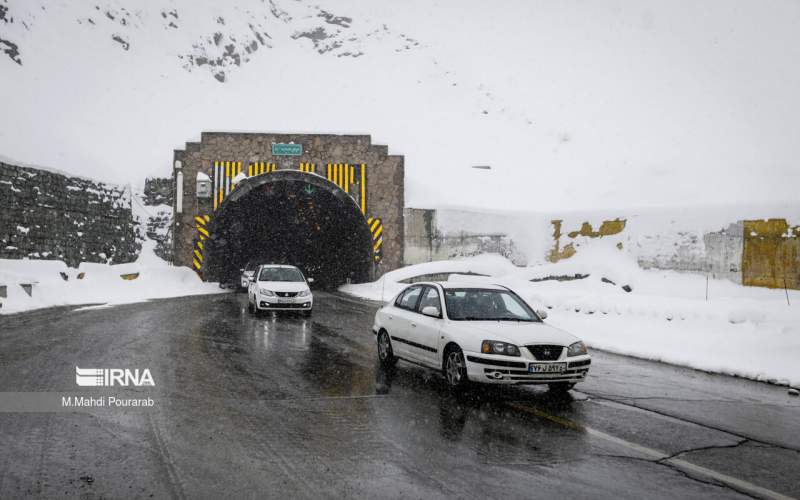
(511, 319)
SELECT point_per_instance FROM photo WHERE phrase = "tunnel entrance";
(290, 217)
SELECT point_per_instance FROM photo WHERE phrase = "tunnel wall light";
(179, 192)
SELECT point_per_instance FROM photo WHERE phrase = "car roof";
(460, 285)
(278, 265)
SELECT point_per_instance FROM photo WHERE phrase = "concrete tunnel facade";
(330, 204)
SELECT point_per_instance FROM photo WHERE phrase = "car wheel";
(560, 387)
(385, 352)
(250, 307)
(455, 368)
(307, 314)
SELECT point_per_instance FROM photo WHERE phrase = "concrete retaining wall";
(711, 242)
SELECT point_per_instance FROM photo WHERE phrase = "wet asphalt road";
(286, 407)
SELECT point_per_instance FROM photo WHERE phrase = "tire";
(385, 352)
(250, 308)
(307, 314)
(455, 368)
(560, 387)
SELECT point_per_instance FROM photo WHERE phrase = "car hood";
(283, 286)
(518, 333)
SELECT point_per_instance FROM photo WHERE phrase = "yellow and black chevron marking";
(201, 224)
(308, 167)
(261, 167)
(376, 228)
(222, 177)
(351, 178)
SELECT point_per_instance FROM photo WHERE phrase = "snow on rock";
(531, 89)
(94, 283)
(148, 277)
(744, 331)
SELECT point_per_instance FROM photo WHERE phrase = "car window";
(430, 297)
(474, 304)
(409, 298)
(513, 307)
(289, 274)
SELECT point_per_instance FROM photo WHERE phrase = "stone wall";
(158, 200)
(385, 179)
(46, 215)
(157, 191)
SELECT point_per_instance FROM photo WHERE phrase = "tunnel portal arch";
(290, 217)
(331, 204)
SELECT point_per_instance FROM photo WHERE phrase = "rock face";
(157, 199)
(46, 215)
(158, 191)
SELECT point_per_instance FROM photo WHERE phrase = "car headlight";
(267, 293)
(497, 347)
(304, 293)
(577, 349)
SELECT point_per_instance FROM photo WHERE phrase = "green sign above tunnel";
(287, 149)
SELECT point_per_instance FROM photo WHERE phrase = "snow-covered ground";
(745, 331)
(101, 283)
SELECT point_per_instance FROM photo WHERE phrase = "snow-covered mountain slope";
(575, 105)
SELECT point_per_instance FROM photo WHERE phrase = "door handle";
(391, 317)
(413, 324)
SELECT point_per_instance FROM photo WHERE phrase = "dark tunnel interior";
(316, 228)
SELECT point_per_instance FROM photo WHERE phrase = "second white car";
(479, 333)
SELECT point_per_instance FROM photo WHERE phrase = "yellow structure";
(771, 254)
(607, 228)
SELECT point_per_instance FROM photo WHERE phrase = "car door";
(401, 316)
(423, 332)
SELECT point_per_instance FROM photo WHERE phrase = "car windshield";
(280, 274)
(474, 304)
(251, 266)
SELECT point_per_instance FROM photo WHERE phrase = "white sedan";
(479, 333)
(279, 288)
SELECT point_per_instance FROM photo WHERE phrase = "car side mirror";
(542, 314)
(241, 270)
(252, 279)
(430, 311)
(310, 280)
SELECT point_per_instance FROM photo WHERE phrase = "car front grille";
(283, 306)
(545, 352)
(286, 294)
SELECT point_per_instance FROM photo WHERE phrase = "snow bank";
(745, 331)
(95, 283)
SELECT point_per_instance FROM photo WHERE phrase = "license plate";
(284, 301)
(546, 367)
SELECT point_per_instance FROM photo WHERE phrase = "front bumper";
(488, 369)
(285, 303)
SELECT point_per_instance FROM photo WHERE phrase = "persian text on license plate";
(546, 367)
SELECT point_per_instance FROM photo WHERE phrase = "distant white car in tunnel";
(279, 288)
(478, 333)
(248, 271)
